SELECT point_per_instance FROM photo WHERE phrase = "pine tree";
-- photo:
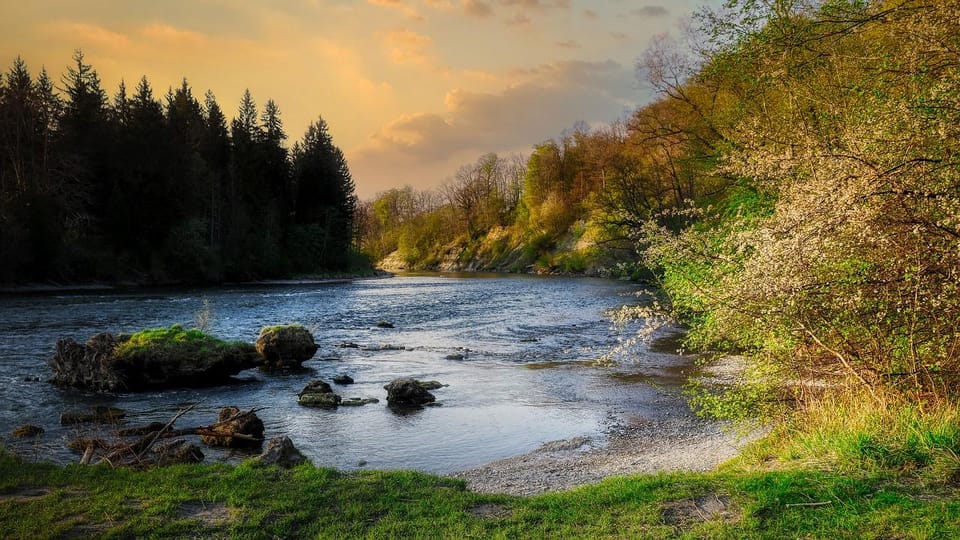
(325, 200)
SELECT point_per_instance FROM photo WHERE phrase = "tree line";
(794, 188)
(142, 188)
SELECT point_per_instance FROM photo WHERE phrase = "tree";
(325, 202)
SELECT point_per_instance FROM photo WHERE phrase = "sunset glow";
(410, 89)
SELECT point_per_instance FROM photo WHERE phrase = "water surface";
(526, 376)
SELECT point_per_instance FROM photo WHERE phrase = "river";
(527, 374)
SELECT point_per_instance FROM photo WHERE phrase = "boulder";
(235, 429)
(384, 324)
(27, 431)
(343, 379)
(149, 360)
(318, 394)
(408, 392)
(454, 356)
(175, 453)
(285, 345)
(280, 451)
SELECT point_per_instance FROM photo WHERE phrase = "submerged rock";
(286, 345)
(281, 451)
(357, 401)
(28, 430)
(235, 429)
(100, 415)
(318, 394)
(151, 359)
(384, 324)
(455, 356)
(408, 392)
(343, 379)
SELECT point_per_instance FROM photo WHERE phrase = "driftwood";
(140, 452)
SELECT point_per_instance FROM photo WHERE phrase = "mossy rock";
(285, 345)
(150, 359)
(318, 394)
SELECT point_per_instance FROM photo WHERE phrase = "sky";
(411, 89)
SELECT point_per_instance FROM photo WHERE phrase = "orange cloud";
(172, 36)
(399, 5)
(84, 34)
(409, 47)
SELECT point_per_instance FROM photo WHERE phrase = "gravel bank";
(676, 441)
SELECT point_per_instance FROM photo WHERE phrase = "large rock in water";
(286, 345)
(152, 359)
(408, 392)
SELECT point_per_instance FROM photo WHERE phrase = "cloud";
(83, 34)
(540, 103)
(399, 5)
(171, 36)
(651, 11)
(409, 47)
(477, 8)
(519, 20)
(485, 8)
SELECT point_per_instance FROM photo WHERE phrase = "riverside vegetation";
(796, 192)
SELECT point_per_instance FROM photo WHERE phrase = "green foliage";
(830, 253)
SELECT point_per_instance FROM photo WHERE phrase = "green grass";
(172, 340)
(249, 501)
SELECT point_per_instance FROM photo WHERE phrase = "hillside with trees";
(152, 189)
(794, 190)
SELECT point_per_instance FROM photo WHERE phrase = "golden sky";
(411, 89)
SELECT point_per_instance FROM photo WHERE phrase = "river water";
(527, 375)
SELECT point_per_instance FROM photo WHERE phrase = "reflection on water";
(492, 408)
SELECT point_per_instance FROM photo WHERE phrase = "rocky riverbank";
(677, 440)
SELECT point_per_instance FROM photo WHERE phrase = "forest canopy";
(137, 187)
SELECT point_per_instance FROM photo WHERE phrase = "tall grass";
(855, 432)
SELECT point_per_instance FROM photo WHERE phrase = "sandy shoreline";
(676, 441)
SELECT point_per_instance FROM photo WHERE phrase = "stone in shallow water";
(318, 394)
(343, 379)
(27, 431)
(286, 345)
(281, 451)
(408, 392)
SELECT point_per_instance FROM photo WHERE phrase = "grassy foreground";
(251, 501)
